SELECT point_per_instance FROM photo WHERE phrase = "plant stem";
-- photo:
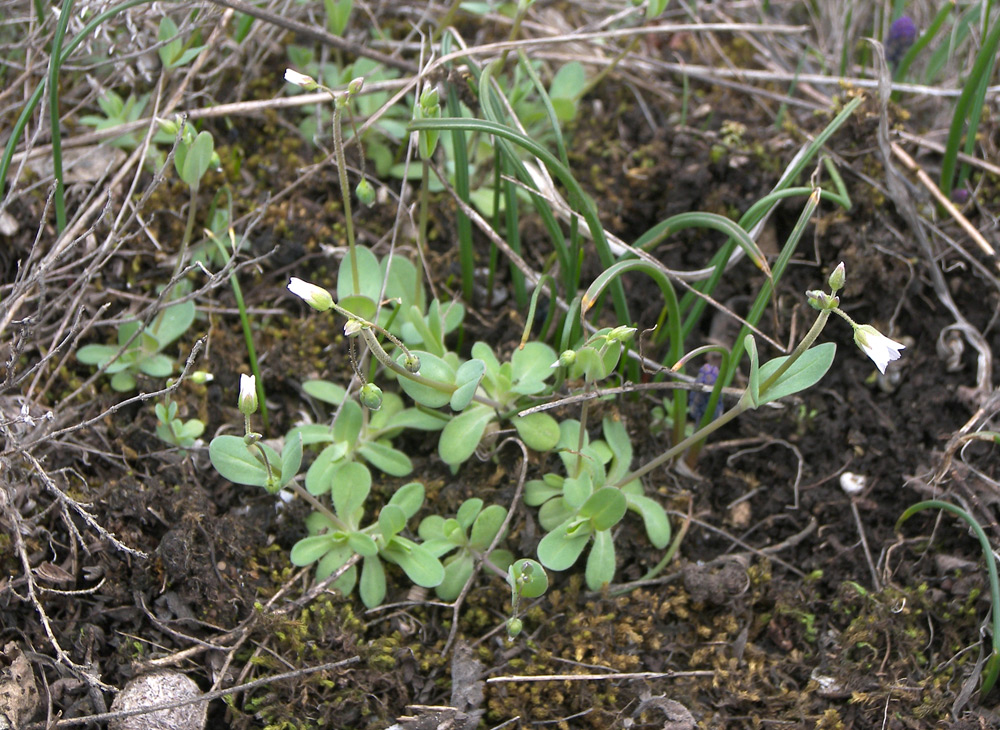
(345, 193)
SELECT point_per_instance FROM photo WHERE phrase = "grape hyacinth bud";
(902, 34)
(960, 196)
(698, 401)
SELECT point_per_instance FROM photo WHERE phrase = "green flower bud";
(365, 193)
(567, 358)
(411, 362)
(837, 277)
(514, 627)
(371, 396)
(429, 100)
(201, 377)
(169, 126)
(621, 334)
(821, 300)
(356, 85)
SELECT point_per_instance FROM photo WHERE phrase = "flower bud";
(352, 327)
(567, 358)
(201, 377)
(315, 296)
(411, 362)
(169, 126)
(429, 101)
(902, 34)
(838, 277)
(306, 82)
(621, 334)
(821, 300)
(248, 394)
(365, 193)
(514, 627)
(356, 85)
(371, 396)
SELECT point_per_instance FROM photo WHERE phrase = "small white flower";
(877, 346)
(294, 77)
(315, 296)
(248, 394)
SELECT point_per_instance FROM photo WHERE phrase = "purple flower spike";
(698, 400)
(902, 34)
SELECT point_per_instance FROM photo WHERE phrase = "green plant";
(335, 536)
(173, 430)
(245, 460)
(139, 349)
(469, 534)
(118, 111)
(586, 502)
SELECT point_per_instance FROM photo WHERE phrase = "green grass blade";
(579, 197)
(463, 226)
(969, 106)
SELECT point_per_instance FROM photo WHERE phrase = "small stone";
(853, 483)
(160, 688)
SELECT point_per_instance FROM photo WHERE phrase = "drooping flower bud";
(411, 362)
(370, 396)
(514, 627)
(365, 193)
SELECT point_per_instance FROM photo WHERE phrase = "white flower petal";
(248, 394)
(315, 296)
(294, 77)
(881, 349)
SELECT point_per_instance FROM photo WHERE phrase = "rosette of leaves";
(173, 430)
(144, 353)
(353, 440)
(507, 384)
(582, 508)
(469, 534)
(336, 536)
